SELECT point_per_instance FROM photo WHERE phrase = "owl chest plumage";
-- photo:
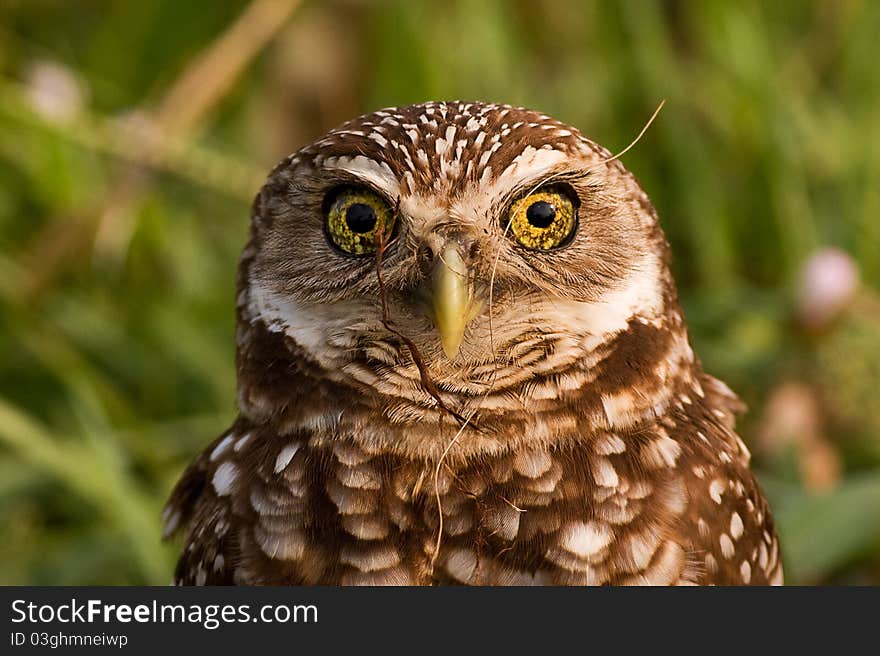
(669, 502)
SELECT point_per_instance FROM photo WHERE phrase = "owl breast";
(670, 503)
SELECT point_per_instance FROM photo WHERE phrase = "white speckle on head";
(585, 539)
(285, 456)
(224, 478)
(201, 575)
(378, 138)
(727, 548)
(716, 489)
(486, 176)
(746, 571)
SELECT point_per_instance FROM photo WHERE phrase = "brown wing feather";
(195, 510)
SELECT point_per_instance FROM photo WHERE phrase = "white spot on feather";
(285, 456)
(604, 473)
(370, 559)
(585, 539)
(221, 447)
(727, 548)
(224, 478)
(461, 564)
(736, 526)
(532, 463)
(609, 443)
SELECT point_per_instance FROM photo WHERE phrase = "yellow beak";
(451, 299)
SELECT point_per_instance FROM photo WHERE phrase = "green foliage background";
(117, 257)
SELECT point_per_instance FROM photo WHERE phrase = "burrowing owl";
(461, 359)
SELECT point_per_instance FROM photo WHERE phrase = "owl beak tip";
(451, 344)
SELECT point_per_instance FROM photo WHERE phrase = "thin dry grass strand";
(634, 141)
(437, 498)
(425, 379)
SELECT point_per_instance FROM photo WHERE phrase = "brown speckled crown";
(599, 451)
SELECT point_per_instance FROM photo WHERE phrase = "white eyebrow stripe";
(377, 174)
(532, 163)
(532, 168)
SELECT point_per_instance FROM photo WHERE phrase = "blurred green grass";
(117, 259)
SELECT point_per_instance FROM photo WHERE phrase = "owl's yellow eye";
(543, 220)
(355, 217)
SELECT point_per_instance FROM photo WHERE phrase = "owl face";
(493, 237)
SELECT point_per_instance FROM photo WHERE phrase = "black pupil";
(541, 214)
(360, 218)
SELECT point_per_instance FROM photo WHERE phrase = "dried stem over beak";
(425, 378)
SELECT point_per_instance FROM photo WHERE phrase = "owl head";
(502, 243)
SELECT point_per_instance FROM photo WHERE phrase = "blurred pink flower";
(54, 91)
(828, 281)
